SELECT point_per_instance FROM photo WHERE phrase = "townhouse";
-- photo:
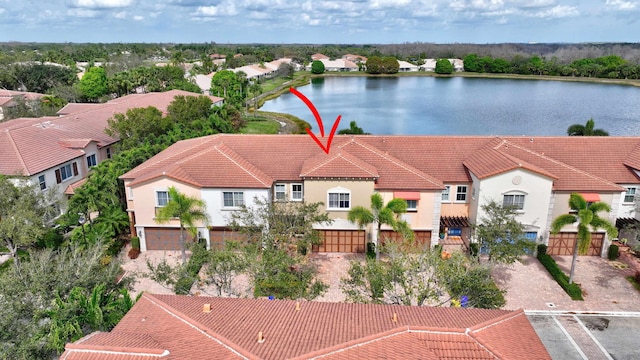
(200, 327)
(446, 180)
(57, 152)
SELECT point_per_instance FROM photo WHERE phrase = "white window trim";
(234, 206)
(275, 192)
(447, 191)
(43, 182)
(156, 191)
(293, 198)
(95, 160)
(516, 193)
(624, 196)
(466, 195)
(338, 190)
(412, 209)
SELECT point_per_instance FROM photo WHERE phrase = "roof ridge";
(347, 158)
(15, 148)
(227, 152)
(564, 165)
(399, 163)
(199, 327)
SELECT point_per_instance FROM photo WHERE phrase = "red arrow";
(318, 120)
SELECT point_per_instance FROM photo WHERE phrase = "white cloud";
(621, 5)
(309, 21)
(101, 4)
(2, 10)
(226, 9)
(82, 13)
(138, 18)
(377, 4)
(558, 11)
(534, 3)
(120, 15)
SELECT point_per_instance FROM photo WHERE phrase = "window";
(445, 193)
(531, 235)
(162, 198)
(42, 182)
(339, 199)
(296, 192)
(108, 153)
(280, 192)
(515, 201)
(63, 173)
(630, 195)
(91, 160)
(461, 194)
(233, 198)
(412, 205)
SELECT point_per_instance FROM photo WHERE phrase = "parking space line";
(604, 351)
(566, 333)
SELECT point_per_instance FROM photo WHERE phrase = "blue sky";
(320, 21)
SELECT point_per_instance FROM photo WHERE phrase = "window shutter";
(58, 177)
(75, 168)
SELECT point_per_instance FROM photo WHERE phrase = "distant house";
(338, 65)
(430, 65)
(57, 152)
(9, 98)
(319, 56)
(355, 58)
(195, 327)
(406, 66)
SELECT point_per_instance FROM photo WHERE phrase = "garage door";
(164, 238)
(422, 238)
(341, 241)
(218, 237)
(563, 243)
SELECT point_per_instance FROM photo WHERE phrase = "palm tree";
(188, 210)
(586, 215)
(380, 214)
(586, 130)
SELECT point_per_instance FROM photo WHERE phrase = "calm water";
(465, 106)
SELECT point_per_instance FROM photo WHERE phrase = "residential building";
(57, 152)
(406, 66)
(8, 99)
(430, 65)
(446, 180)
(337, 65)
(194, 327)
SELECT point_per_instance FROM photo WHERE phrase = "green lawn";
(260, 125)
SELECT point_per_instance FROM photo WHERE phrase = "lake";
(424, 105)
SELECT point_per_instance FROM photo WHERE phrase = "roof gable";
(337, 164)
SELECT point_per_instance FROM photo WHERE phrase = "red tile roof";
(178, 325)
(59, 138)
(406, 162)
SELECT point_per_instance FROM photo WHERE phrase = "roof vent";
(395, 317)
(260, 337)
(206, 308)
(297, 305)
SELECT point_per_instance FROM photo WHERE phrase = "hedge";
(573, 290)
(199, 256)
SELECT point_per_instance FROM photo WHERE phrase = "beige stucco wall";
(423, 218)
(317, 191)
(144, 199)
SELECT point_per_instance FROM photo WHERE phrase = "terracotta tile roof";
(417, 162)
(21, 155)
(317, 330)
(337, 164)
(70, 190)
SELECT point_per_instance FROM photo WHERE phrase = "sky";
(320, 21)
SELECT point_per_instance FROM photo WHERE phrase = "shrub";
(474, 249)
(613, 252)
(199, 256)
(134, 253)
(135, 242)
(542, 249)
(561, 278)
(183, 285)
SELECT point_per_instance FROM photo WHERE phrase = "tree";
(24, 210)
(380, 214)
(586, 130)
(229, 85)
(223, 266)
(285, 70)
(188, 210)
(501, 235)
(374, 65)
(186, 109)
(444, 66)
(390, 65)
(587, 219)
(317, 67)
(137, 126)
(353, 129)
(94, 83)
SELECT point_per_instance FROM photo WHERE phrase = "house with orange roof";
(446, 181)
(193, 327)
(8, 99)
(57, 152)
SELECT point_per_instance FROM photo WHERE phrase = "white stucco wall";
(536, 188)
(218, 214)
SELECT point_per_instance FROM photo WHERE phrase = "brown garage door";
(218, 237)
(164, 238)
(563, 243)
(422, 238)
(341, 241)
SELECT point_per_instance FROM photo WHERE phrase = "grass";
(260, 125)
(633, 282)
